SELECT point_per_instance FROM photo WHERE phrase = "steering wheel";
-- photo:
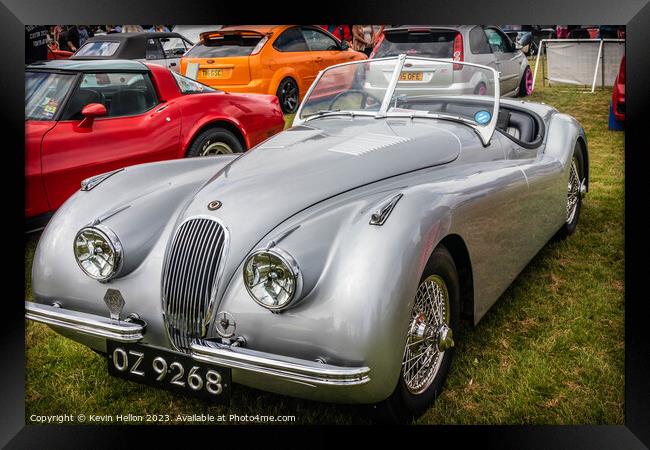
(364, 98)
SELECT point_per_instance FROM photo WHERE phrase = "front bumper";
(275, 373)
(89, 324)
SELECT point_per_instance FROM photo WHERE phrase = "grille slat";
(190, 274)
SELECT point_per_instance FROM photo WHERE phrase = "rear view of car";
(486, 45)
(420, 41)
(223, 59)
(281, 60)
(429, 42)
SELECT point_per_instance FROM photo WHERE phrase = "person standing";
(342, 32)
(132, 29)
(159, 28)
(69, 38)
(363, 38)
(84, 33)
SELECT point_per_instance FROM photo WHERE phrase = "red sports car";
(84, 118)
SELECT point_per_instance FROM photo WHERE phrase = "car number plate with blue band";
(168, 370)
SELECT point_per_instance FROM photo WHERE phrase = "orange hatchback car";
(265, 59)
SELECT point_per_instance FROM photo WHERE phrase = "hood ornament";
(214, 205)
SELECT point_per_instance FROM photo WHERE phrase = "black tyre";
(574, 193)
(526, 83)
(215, 141)
(429, 344)
(288, 95)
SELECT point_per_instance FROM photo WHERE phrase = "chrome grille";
(190, 277)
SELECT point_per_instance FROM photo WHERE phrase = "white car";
(479, 44)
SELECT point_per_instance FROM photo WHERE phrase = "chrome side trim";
(89, 324)
(280, 367)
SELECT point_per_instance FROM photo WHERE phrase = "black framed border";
(635, 14)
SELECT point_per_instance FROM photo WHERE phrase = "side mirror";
(344, 45)
(525, 39)
(90, 112)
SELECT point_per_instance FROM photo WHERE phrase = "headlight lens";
(272, 279)
(98, 252)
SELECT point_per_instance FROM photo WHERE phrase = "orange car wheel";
(288, 95)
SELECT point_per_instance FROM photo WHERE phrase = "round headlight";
(98, 252)
(272, 278)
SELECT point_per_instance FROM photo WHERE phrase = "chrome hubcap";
(429, 335)
(216, 148)
(574, 192)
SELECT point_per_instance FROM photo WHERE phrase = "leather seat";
(128, 102)
(525, 124)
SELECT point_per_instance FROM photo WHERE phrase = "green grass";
(550, 351)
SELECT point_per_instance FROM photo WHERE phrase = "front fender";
(139, 204)
(360, 284)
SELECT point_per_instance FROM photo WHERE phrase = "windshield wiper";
(327, 112)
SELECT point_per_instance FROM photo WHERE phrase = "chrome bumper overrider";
(89, 324)
(282, 367)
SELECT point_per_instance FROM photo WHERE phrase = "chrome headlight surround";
(109, 240)
(287, 263)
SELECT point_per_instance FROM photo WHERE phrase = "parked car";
(161, 48)
(88, 117)
(618, 93)
(487, 45)
(333, 262)
(282, 60)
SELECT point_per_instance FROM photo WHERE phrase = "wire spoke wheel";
(573, 192)
(428, 332)
(215, 148)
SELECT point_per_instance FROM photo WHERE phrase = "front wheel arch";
(217, 124)
(585, 160)
(456, 246)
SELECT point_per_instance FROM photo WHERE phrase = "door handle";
(172, 64)
(319, 59)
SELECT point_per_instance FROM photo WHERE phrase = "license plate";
(168, 370)
(212, 73)
(410, 76)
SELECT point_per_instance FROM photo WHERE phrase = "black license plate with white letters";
(168, 370)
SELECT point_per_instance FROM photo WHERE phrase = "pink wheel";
(526, 86)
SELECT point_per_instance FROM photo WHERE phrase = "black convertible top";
(132, 45)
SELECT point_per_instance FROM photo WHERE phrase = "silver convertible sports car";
(332, 262)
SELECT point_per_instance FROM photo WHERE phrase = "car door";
(325, 50)
(506, 58)
(154, 52)
(291, 50)
(174, 48)
(136, 129)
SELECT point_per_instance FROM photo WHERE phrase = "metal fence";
(580, 61)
